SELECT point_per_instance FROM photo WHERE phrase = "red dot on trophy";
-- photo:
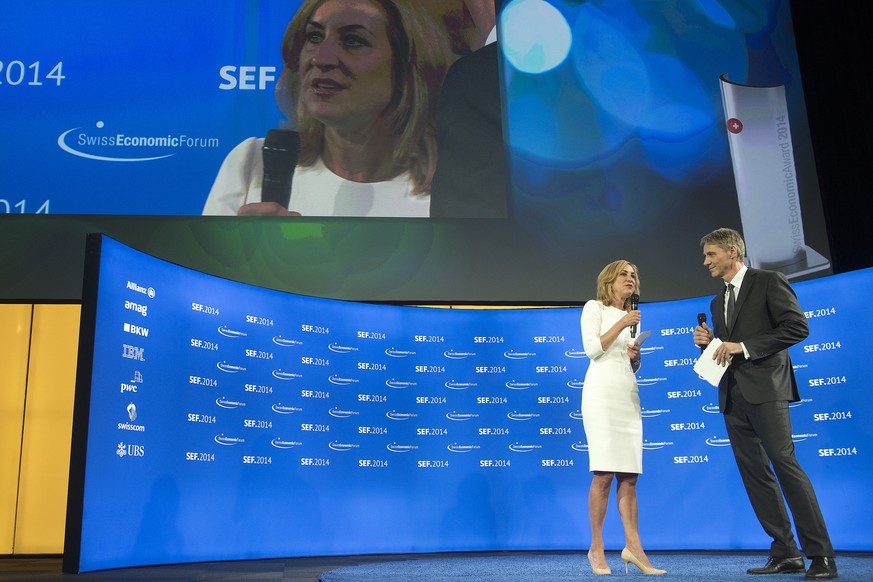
(734, 125)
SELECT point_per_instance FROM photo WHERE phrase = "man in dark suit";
(470, 179)
(758, 318)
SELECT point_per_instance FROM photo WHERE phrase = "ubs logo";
(127, 450)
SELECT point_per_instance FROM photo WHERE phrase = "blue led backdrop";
(233, 422)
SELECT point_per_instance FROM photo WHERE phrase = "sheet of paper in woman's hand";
(644, 335)
(706, 367)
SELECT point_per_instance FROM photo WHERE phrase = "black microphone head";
(635, 301)
(285, 140)
(701, 318)
(280, 153)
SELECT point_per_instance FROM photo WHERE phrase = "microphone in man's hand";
(634, 305)
(701, 319)
(281, 149)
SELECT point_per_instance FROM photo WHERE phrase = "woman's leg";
(627, 508)
(598, 499)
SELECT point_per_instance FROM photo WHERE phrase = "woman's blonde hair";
(607, 277)
(421, 55)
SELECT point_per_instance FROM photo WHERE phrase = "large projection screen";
(220, 421)
(619, 139)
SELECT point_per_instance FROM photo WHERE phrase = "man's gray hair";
(726, 238)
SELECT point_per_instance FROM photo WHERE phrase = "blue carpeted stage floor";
(529, 566)
(573, 566)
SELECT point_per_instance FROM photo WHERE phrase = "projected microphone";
(701, 319)
(635, 304)
(281, 147)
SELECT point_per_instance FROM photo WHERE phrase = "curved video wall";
(590, 131)
(220, 421)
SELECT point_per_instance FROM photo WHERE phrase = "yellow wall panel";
(14, 340)
(48, 420)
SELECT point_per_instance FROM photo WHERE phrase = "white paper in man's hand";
(706, 367)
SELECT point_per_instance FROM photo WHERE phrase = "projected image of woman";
(611, 411)
(362, 79)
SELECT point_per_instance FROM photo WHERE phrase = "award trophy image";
(763, 160)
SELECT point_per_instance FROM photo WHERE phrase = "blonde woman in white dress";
(611, 411)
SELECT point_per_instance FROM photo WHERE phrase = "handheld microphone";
(701, 319)
(281, 148)
(634, 305)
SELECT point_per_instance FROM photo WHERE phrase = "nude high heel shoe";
(598, 571)
(627, 556)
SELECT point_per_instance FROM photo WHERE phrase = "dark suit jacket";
(768, 320)
(470, 179)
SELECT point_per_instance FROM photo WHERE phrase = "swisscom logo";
(102, 144)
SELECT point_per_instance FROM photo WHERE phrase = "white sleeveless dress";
(611, 412)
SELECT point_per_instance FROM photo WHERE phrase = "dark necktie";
(731, 305)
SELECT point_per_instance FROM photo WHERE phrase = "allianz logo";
(150, 291)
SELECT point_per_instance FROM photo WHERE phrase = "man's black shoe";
(782, 566)
(822, 568)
